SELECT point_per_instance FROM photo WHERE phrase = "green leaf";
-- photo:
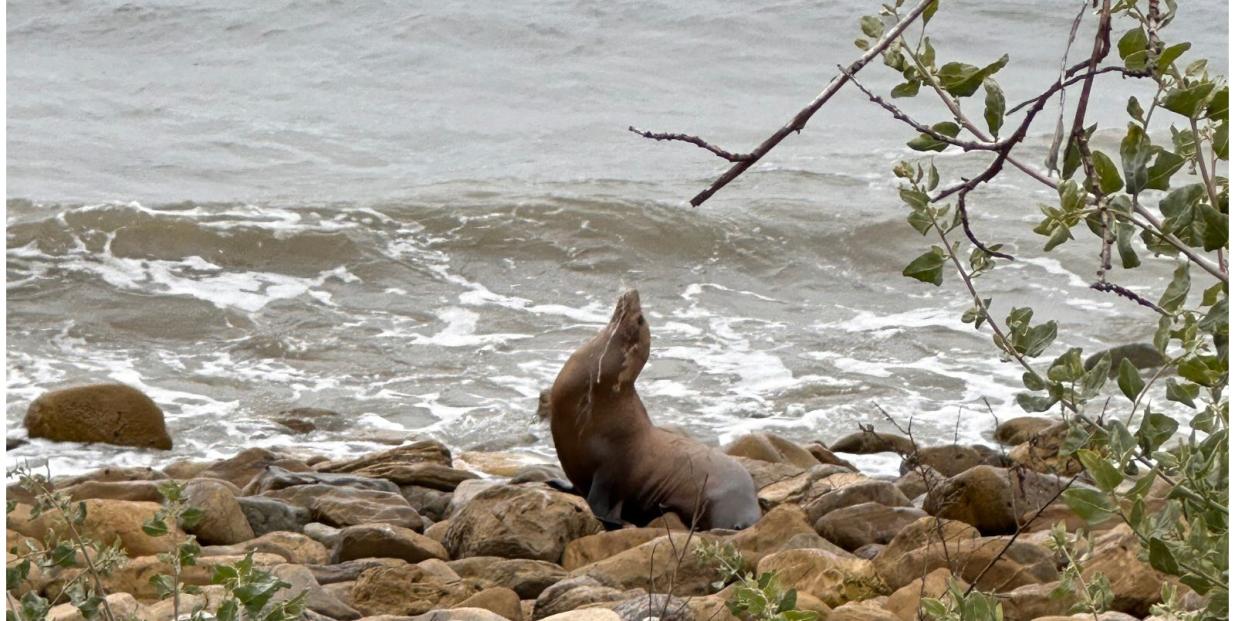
(164, 585)
(1132, 41)
(1184, 394)
(228, 610)
(1218, 105)
(1129, 380)
(928, 267)
(1089, 504)
(1040, 337)
(925, 142)
(16, 573)
(789, 601)
(1106, 173)
(962, 80)
(921, 220)
(993, 106)
(1134, 109)
(1175, 294)
(1067, 367)
(1032, 381)
(63, 555)
(906, 89)
(1197, 371)
(1034, 402)
(1161, 170)
(1187, 101)
(1073, 155)
(1096, 376)
(872, 26)
(1170, 54)
(1135, 152)
(1161, 557)
(1105, 475)
(930, 10)
(155, 527)
(1154, 430)
(1215, 228)
(1220, 141)
(1181, 200)
(191, 517)
(1125, 245)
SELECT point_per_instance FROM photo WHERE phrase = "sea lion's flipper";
(561, 485)
(606, 509)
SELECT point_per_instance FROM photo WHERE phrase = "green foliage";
(754, 598)
(973, 606)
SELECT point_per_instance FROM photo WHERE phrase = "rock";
(1042, 453)
(296, 425)
(419, 451)
(242, 467)
(223, 520)
(711, 608)
(905, 602)
(318, 599)
(1021, 429)
(949, 460)
(656, 560)
(499, 600)
(656, 606)
(385, 541)
(917, 481)
(765, 473)
(538, 473)
(1141, 355)
(867, 442)
(430, 503)
(1036, 521)
(312, 418)
(918, 549)
(991, 499)
(869, 551)
(466, 492)
(266, 515)
(899, 563)
(209, 598)
(109, 413)
(784, 491)
(859, 611)
(142, 491)
(668, 522)
(458, 614)
(528, 578)
(1033, 601)
(771, 448)
(826, 456)
(1107, 615)
(519, 522)
(350, 570)
(599, 546)
(106, 521)
(12, 442)
(1135, 584)
(573, 593)
(105, 475)
(135, 576)
(870, 522)
(293, 547)
(346, 506)
(122, 605)
(432, 475)
(783, 528)
(274, 478)
(402, 590)
(497, 464)
(830, 577)
(868, 490)
(324, 534)
(185, 469)
(586, 614)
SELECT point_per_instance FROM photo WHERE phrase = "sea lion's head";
(623, 345)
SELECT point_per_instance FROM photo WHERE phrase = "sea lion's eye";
(641, 321)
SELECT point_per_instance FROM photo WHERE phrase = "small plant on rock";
(755, 598)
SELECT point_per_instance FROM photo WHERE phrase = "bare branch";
(695, 140)
(961, 212)
(1109, 287)
(966, 145)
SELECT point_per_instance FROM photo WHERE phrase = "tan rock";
(184, 469)
(293, 547)
(917, 481)
(599, 546)
(783, 528)
(1135, 584)
(142, 491)
(499, 600)
(345, 506)
(919, 548)
(242, 467)
(765, 473)
(318, 598)
(784, 491)
(859, 611)
(403, 590)
(223, 522)
(669, 521)
(991, 499)
(905, 603)
(209, 598)
(899, 564)
(1021, 429)
(871, 490)
(1042, 453)
(419, 451)
(106, 521)
(385, 541)
(498, 464)
(949, 460)
(527, 577)
(457, 614)
(867, 442)
(586, 614)
(771, 448)
(431, 475)
(109, 413)
(711, 608)
(826, 456)
(1033, 601)
(135, 577)
(657, 562)
(122, 605)
(870, 522)
(519, 522)
(832, 578)
(574, 593)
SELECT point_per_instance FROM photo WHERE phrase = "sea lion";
(626, 467)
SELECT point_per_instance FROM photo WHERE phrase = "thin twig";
(965, 145)
(1109, 287)
(695, 140)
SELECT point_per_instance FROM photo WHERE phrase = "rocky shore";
(415, 532)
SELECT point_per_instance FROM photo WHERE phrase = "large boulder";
(574, 593)
(1042, 453)
(898, 564)
(786, 527)
(135, 576)
(870, 522)
(385, 541)
(242, 467)
(519, 522)
(266, 515)
(110, 413)
(1021, 429)
(432, 475)
(865, 442)
(832, 578)
(430, 503)
(825, 456)
(419, 451)
(122, 605)
(527, 577)
(318, 598)
(223, 521)
(504, 602)
(855, 493)
(993, 562)
(293, 547)
(349, 571)
(773, 448)
(654, 606)
(274, 478)
(906, 603)
(666, 562)
(143, 491)
(952, 459)
(991, 499)
(597, 547)
(346, 506)
(106, 521)
(406, 590)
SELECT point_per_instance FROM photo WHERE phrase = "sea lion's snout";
(628, 306)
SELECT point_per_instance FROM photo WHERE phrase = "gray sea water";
(411, 213)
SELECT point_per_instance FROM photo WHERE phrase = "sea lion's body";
(626, 467)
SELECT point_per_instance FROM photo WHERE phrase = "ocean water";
(411, 213)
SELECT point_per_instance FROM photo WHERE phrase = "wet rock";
(833, 578)
(296, 425)
(432, 475)
(293, 547)
(497, 464)
(266, 515)
(502, 601)
(242, 467)
(350, 570)
(1021, 429)
(223, 521)
(275, 478)
(656, 560)
(1141, 355)
(527, 577)
(783, 528)
(868, 442)
(826, 456)
(310, 419)
(108, 413)
(346, 506)
(184, 469)
(519, 522)
(574, 593)
(950, 460)
(869, 522)
(12, 442)
(991, 499)
(419, 451)
(599, 546)
(856, 493)
(430, 503)
(538, 473)
(404, 590)
(106, 521)
(905, 602)
(318, 599)
(385, 541)
(771, 448)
